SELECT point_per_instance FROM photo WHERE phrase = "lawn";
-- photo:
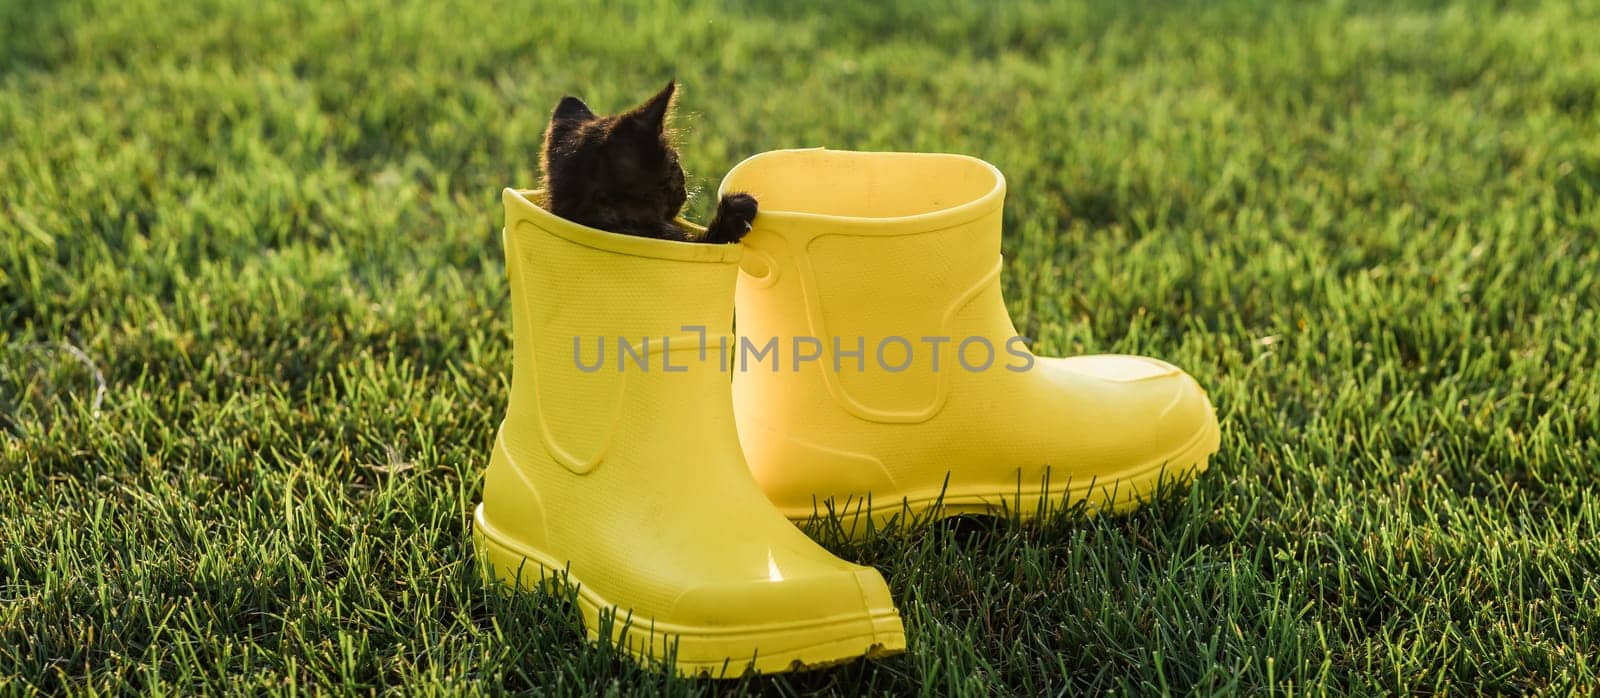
(254, 331)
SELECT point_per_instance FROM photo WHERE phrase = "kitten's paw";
(738, 206)
(735, 214)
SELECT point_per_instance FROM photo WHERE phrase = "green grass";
(253, 331)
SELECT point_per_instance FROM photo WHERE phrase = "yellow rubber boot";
(879, 372)
(619, 471)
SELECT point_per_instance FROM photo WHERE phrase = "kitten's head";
(617, 172)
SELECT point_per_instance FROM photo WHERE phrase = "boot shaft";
(876, 273)
(603, 322)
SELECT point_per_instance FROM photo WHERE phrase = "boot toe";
(1148, 410)
(777, 600)
(1188, 424)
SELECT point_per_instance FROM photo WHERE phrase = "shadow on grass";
(33, 33)
(901, 551)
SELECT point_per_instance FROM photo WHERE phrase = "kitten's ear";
(653, 114)
(572, 109)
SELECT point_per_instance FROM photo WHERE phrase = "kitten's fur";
(620, 173)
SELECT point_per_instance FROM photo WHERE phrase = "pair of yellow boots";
(875, 374)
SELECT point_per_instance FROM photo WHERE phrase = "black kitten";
(620, 173)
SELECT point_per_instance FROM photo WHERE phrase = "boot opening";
(850, 184)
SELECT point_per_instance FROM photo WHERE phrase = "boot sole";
(1113, 494)
(717, 652)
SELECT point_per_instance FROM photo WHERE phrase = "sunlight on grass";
(254, 325)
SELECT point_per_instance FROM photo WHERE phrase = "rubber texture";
(853, 249)
(700, 650)
(625, 480)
